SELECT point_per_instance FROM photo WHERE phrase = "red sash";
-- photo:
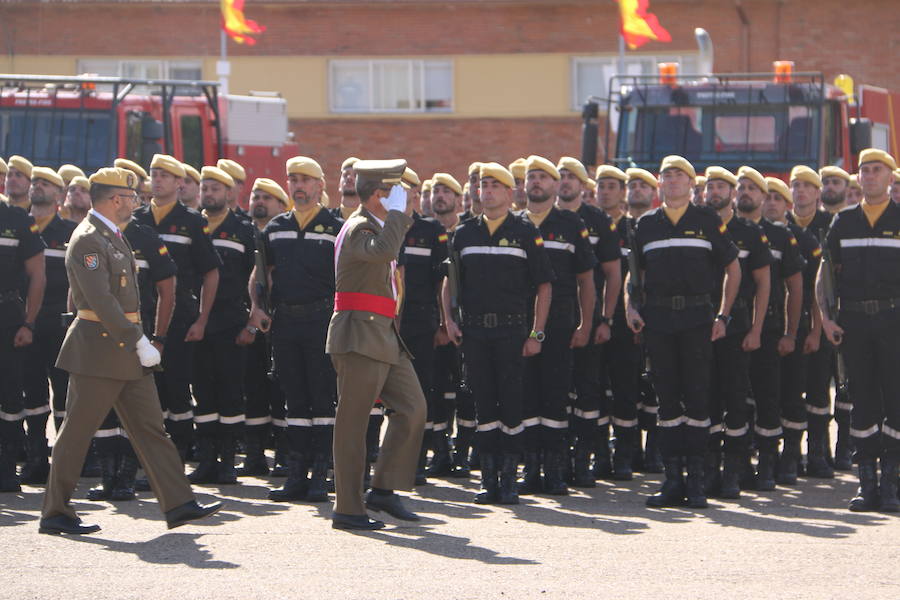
(380, 305)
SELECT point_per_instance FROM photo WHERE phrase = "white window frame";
(370, 64)
(165, 65)
(604, 59)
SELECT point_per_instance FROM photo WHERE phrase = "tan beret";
(145, 187)
(722, 173)
(854, 182)
(804, 173)
(217, 174)
(833, 171)
(191, 172)
(349, 162)
(82, 182)
(644, 175)
(699, 180)
(776, 185)
(115, 177)
(67, 172)
(539, 163)
(3, 168)
(466, 187)
(474, 167)
(518, 168)
(610, 172)
(574, 165)
(124, 163)
(498, 172)
(754, 176)
(303, 165)
(673, 161)
(411, 177)
(867, 155)
(590, 184)
(20, 164)
(233, 168)
(47, 174)
(448, 180)
(272, 187)
(426, 186)
(167, 163)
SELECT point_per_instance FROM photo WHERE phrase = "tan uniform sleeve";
(367, 245)
(94, 285)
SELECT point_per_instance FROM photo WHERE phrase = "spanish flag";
(639, 26)
(236, 25)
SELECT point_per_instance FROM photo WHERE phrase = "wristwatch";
(160, 339)
(726, 319)
(538, 336)
(606, 320)
(253, 330)
(28, 326)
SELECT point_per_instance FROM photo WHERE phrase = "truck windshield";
(769, 137)
(52, 138)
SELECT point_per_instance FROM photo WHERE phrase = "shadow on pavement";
(167, 549)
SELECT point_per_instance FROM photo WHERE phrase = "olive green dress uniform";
(104, 370)
(371, 362)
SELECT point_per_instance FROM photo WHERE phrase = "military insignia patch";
(318, 228)
(504, 242)
(91, 262)
(442, 237)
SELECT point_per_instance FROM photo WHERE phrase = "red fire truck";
(771, 121)
(90, 121)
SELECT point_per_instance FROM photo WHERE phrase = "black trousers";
(263, 396)
(765, 386)
(421, 345)
(681, 368)
(623, 360)
(793, 383)
(871, 349)
(730, 382)
(219, 383)
(12, 403)
(590, 403)
(307, 379)
(818, 384)
(173, 384)
(452, 397)
(494, 365)
(39, 368)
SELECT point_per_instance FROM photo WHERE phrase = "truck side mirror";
(860, 135)
(590, 114)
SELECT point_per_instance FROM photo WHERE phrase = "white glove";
(396, 200)
(147, 352)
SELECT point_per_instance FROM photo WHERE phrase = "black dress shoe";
(190, 511)
(362, 522)
(63, 524)
(392, 505)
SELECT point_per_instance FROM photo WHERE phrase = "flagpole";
(620, 66)
(223, 67)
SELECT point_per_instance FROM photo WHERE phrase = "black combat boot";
(297, 484)
(508, 493)
(318, 486)
(696, 498)
(673, 491)
(712, 473)
(603, 468)
(421, 479)
(91, 466)
(747, 472)
(867, 496)
(441, 460)
(531, 474)
(554, 473)
(489, 493)
(10, 445)
(279, 464)
(582, 477)
(255, 455)
(108, 459)
(765, 470)
(888, 485)
(816, 452)
(789, 462)
(226, 473)
(653, 461)
(623, 456)
(207, 467)
(37, 465)
(843, 449)
(461, 447)
(730, 488)
(637, 453)
(123, 491)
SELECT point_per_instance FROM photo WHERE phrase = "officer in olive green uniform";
(108, 357)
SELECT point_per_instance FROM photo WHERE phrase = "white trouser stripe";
(279, 423)
(429, 425)
(847, 406)
(737, 432)
(257, 421)
(797, 426)
(817, 410)
(697, 423)
(320, 421)
(205, 418)
(531, 422)
(603, 421)
(650, 409)
(717, 428)
(624, 422)
(440, 426)
(890, 431)
(587, 414)
(108, 433)
(40, 410)
(465, 423)
(12, 416)
(488, 426)
(554, 424)
(762, 431)
(863, 433)
(672, 422)
(449, 395)
(512, 430)
(294, 422)
(181, 416)
(59, 414)
(231, 420)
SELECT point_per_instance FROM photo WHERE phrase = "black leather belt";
(10, 296)
(678, 302)
(304, 310)
(870, 307)
(494, 320)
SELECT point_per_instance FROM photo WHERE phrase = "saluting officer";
(729, 412)
(589, 359)
(864, 247)
(299, 247)
(682, 248)
(21, 253)
(220, 355)
(780, 327)
(45, 196)
(505, 276)
(184, 232)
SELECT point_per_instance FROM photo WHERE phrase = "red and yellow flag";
(639, 26)
(236, 25)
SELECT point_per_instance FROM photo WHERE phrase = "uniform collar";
(109, 224)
